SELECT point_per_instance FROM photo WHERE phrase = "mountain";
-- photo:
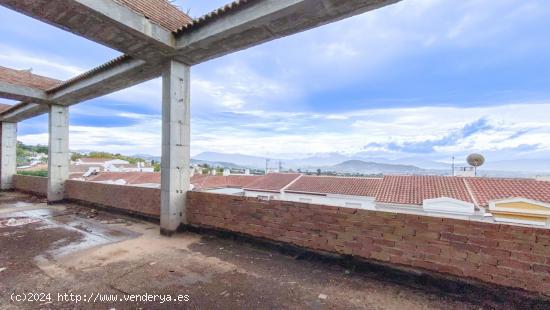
(222, 164)
(147, 157)
(365, 162)
(359, 166)
(238, 159)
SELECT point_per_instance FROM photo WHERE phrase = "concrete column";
(58, 152)
(8, 155)
(176, 137)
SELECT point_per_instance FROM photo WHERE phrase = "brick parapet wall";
(505, 255)
(31, 184)
(133, 199)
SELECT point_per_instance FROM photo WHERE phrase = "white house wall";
(358, 202)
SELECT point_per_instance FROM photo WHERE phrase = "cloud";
(431, 77)
(429, 146)
(46, 65)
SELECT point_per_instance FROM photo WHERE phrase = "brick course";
(140, 200)
(31, 184)
(500, 254)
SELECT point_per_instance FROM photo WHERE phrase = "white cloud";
(46, 65)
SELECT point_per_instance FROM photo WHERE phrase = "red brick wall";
(31, 184)
(506, 255)
(139, 200)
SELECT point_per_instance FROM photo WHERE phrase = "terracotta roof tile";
(217, 13)
(212, 181)
(336, 185)
(101, 68)
(487, 189)
(273, 181)
(26, 78)
(414, 189)
(129, 177)
(241, 180)
(4, 107)
(160, 12)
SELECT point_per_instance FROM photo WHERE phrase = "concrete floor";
(73, 249)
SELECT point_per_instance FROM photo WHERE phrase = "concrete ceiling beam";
(103, 21)
(22, 93)
(22, 111)
(114, 25)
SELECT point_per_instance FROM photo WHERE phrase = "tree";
(318, 171)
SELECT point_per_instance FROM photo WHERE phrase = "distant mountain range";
(359, 166)
(317, 161)
(363, 163)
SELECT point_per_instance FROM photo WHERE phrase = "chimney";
(247, 171)
(214, 172)
(226, 172)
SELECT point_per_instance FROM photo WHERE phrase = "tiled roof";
(4, 107)
(26, 78)
(487, 189)
(101, 68)
(160, 12)
(146, 178)
(241, 180)
(414, 189)
(336, 185)
(273, 181)
(129, 177)
(217, 13)
(208, 181)
(212, 181)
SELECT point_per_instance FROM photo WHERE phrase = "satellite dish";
(475, 160)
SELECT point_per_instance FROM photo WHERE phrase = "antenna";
(475, 160)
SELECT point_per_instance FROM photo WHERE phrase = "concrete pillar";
(176, 136)
(58, 152)
(8, 155)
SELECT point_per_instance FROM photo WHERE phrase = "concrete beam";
(128, 72)
(98, 82)
(257, 22)
(58, 152)
(22, 93)
(8, 155)
(262, 21)
(176, 137)
(103, 21)
(22, 111)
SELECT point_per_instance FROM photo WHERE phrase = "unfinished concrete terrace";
(61, 243)
(68, 248)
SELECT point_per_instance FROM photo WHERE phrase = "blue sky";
(430, 78)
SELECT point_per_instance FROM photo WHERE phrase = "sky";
(424, 78)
